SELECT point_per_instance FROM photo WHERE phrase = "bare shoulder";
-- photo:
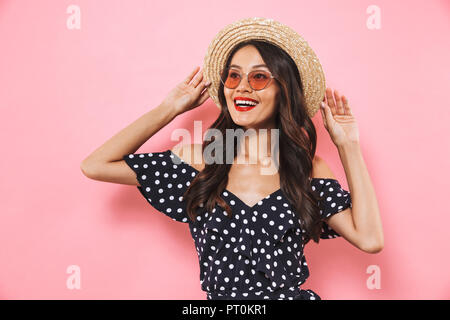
(321, 169)
(191, 154)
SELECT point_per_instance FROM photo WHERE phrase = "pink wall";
(64, 92)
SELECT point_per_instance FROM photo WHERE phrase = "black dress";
(258, 253)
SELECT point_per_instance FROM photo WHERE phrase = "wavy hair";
(297, 147)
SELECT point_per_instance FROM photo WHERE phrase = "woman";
(250, 228)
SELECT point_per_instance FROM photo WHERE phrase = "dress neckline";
(249, 207)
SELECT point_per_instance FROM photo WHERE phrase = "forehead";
(247, 58)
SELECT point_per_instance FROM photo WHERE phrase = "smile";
(244, 104)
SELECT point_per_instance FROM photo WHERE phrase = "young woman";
(250, 228)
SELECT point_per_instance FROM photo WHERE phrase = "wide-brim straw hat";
(308, 65)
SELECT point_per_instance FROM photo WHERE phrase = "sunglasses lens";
(259, 79)
(232, 78)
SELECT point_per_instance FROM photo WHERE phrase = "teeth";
(245, 102)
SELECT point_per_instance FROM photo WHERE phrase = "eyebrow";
(255, 66)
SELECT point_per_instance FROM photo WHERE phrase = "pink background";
(65, 92)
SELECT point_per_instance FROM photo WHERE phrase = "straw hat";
(268, 30)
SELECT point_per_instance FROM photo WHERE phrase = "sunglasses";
(258, 79)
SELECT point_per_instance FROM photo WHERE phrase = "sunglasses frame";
(246, 75)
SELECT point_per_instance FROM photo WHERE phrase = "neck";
(258, 145)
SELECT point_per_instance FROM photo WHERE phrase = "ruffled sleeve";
(163, 181)
(332, 199)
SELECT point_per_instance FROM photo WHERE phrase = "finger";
(191, 75)
(204, 97)
(340, 107)
(328, 114)
(347, 109)
(198, 78)
(202, 86)
(330, 100)
(323, 117)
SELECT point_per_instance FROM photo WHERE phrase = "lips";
(244, 103)
(245, 98)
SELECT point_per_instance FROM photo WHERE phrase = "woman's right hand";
(186, 96)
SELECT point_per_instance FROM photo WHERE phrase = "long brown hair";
(297, 147)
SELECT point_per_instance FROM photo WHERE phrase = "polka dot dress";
(258, 253)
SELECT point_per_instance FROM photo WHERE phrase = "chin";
(245, 124)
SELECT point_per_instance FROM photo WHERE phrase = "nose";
(244, 85)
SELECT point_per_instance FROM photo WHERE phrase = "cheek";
(228, 99)
(270, 99)
(227, 93)
(276, 98)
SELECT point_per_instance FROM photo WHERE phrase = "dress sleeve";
(163, 181)
(332, 199)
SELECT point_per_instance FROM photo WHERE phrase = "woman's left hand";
(338, 119)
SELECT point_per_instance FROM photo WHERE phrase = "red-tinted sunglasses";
(258, 79)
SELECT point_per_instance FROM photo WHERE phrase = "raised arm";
(106, 164)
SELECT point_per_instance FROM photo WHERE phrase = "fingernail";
(322, 104)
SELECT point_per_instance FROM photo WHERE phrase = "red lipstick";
(244, 103)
